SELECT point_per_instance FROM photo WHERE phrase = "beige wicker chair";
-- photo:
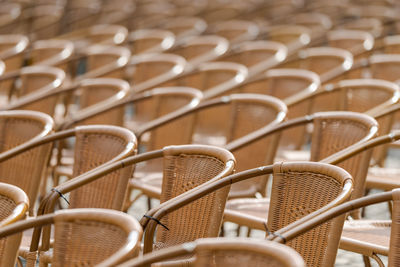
(295, 37)
(236, 31)
(220, 252)
(208, 123)
(202, 48)
(329, 136)
(150, 41)
(370, 233)
(359, 43)
(185, 167)
(151, 70)
(26, 170)
(257, 56)
(14, 205)
(301, 190)
(83, 236)
(328, 62)
(10, 13)
(185, 26)
(212, 78)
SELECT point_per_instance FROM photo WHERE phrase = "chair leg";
(238, 230)
(367, 262)
(222, 231)
(378, 260)
(148, 203)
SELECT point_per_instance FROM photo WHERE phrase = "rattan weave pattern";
(291, 188)
(197, 219)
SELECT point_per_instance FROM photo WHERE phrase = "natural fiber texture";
(91, 150)
(26, 169)
(394, 252)
(85, 243)
(199, 219)
(296, 194)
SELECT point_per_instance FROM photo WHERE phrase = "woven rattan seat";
(220, 252)
(83, 236)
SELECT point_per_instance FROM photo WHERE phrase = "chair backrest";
(294, 37)
(10, 15)
(212, 78)
(184, 27)
(371, 25)
(358, 95)
(25, 170)
(339, 211)
(151, 70)
(96, 145)
(300, 188)
(202, 48)
(236, 31)
(85, 236)
(328, 62)
(391, 44)
(150, 41)
(52, 52)
(317, 22)
(221, 252)
(257, 56)
(14, 205)
(357, 42)
(385, 67)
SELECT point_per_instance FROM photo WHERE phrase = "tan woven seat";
(257, 56)
(372, 237)
(14, 205)
(212, 78)
(224, 133)
(328, 137)
(83, 236)
(150, 41)
(299, 180)
(18, 129)
(220, 252)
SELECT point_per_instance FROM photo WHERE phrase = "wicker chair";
(208, 124)
(359, 43)
(185, 167)
(371, 235)
(295, 37)
(26, 170)
(14, 205)
(33, 79)
(328, 62)
(257, 56)
(184, 26)
(10, 13)
(371, 25)
(83, 236)
(212, 78)
(301, 190)
(150, 41)
(202, 48)
(236, 31)
(329, 136)
(151, 70)
(220, 252)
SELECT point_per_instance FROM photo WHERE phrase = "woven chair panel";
(387, 71)
(7, 206)
(321, 65)
(85, 243)
(148, 70)
(295, 195)
(31, 83)
(200, 218)
(229, 258)
(394, 257)
(26, 169)
(363, 99)
(92, 150)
